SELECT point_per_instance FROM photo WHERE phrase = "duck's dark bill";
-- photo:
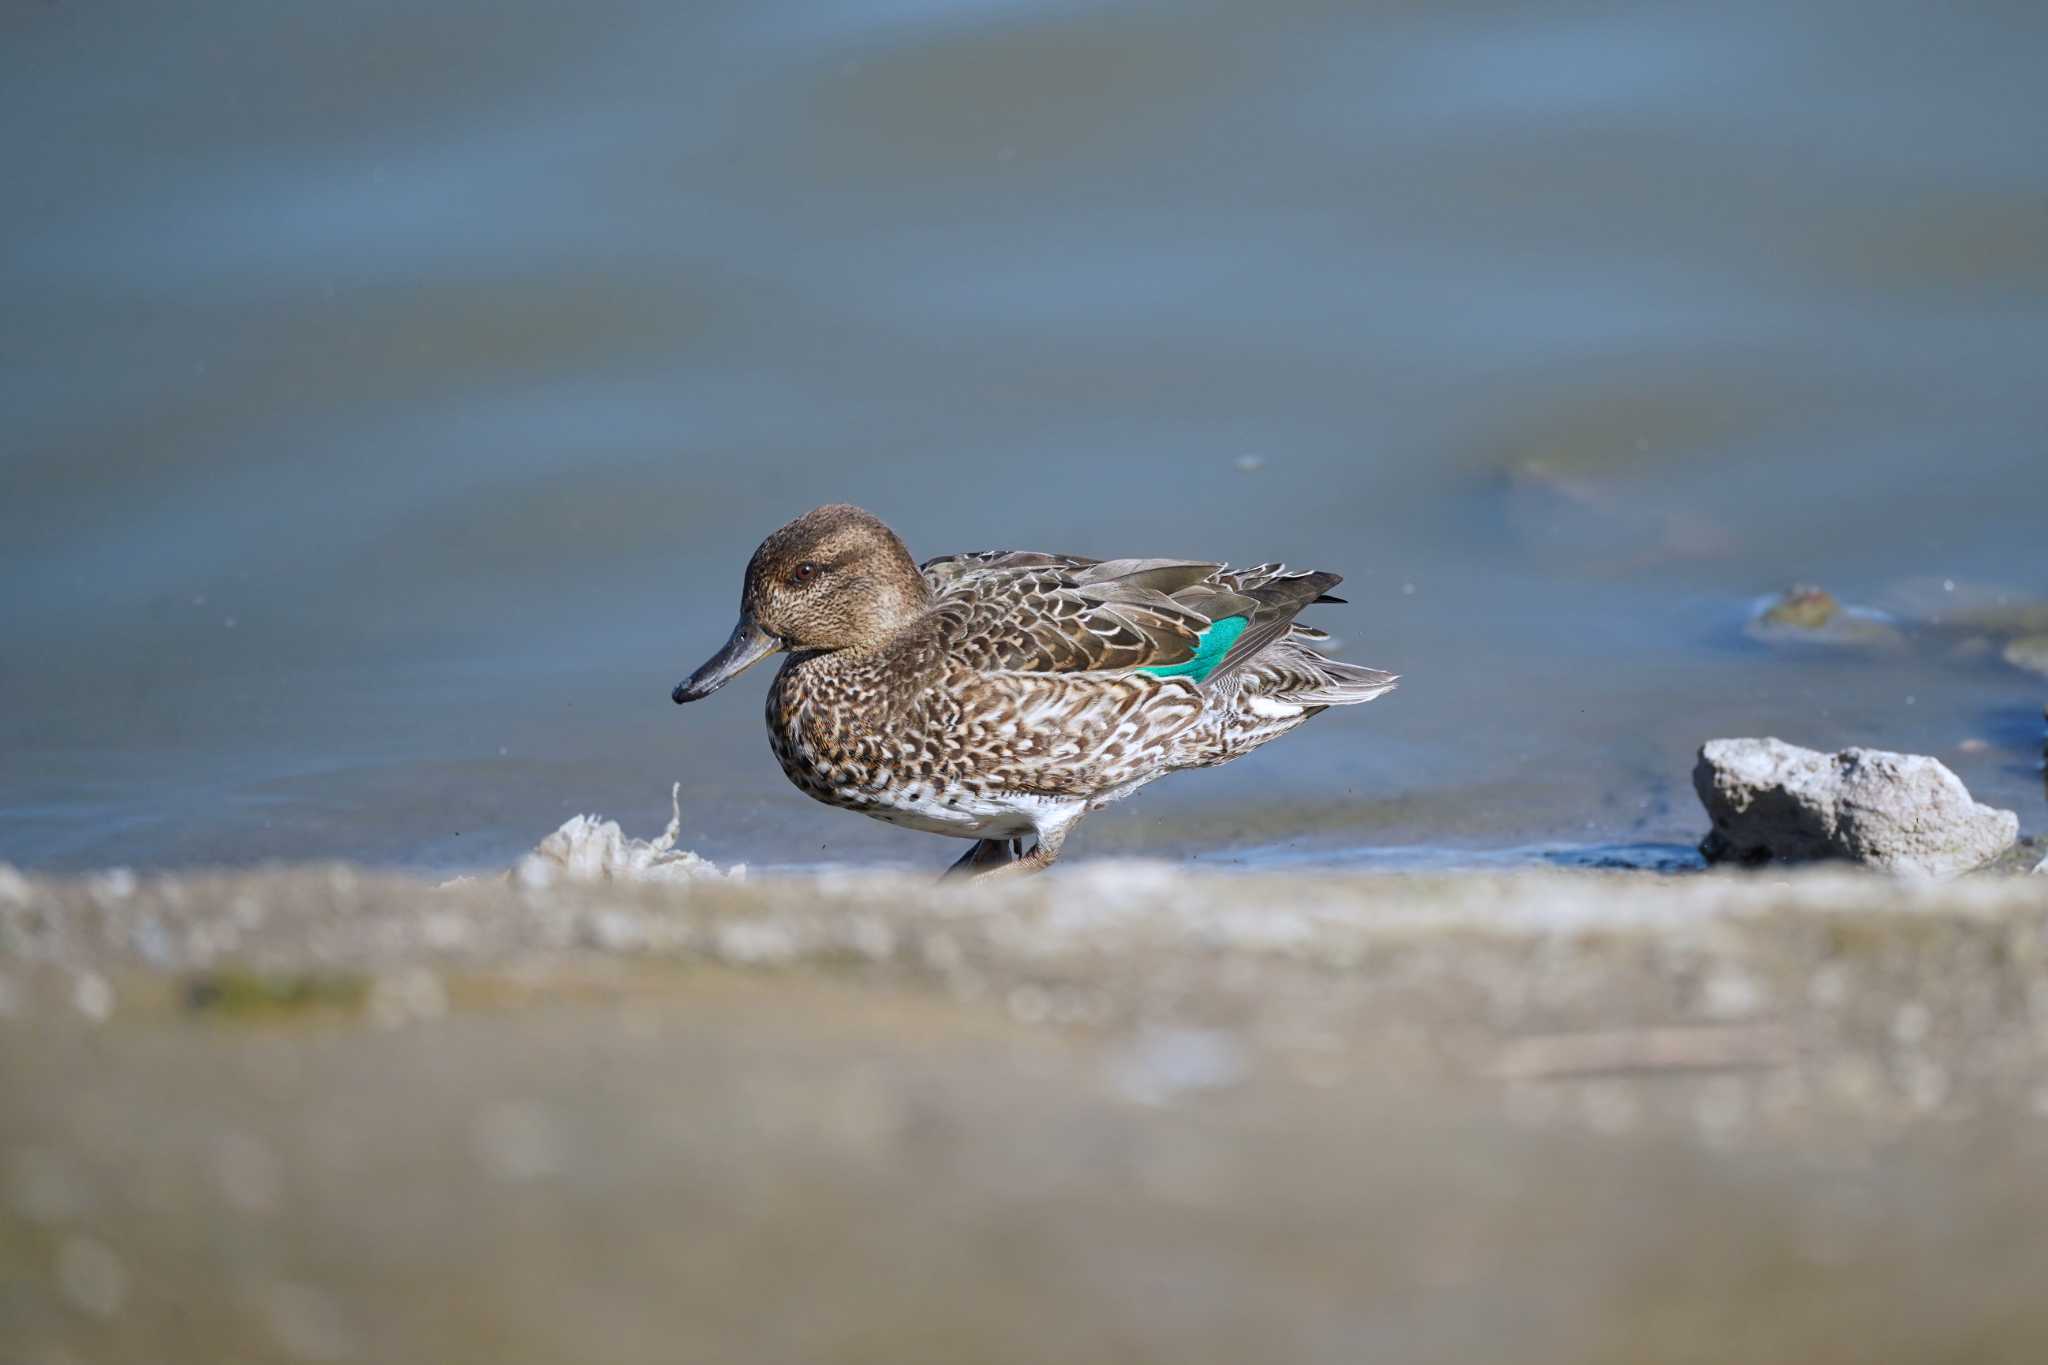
(748, 646)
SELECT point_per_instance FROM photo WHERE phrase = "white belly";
(956, 811)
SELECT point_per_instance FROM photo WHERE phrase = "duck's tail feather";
(1341, 684)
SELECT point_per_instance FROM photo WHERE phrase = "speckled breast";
(904, 763)
(839, 744)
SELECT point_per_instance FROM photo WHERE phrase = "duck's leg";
(1038, 859)
(983, 858)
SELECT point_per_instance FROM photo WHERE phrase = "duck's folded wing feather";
(947, 572)
(1022, 610)
(1032, 611)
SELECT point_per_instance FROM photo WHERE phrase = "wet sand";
(1125, 1112)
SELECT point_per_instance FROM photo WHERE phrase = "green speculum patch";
(1210, 647)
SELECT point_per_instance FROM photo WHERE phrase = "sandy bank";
(1126, 1112)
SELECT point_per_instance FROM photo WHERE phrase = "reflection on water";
(395, 392)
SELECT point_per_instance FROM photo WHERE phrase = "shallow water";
(395, 392)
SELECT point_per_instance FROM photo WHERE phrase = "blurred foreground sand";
(1124, 1113)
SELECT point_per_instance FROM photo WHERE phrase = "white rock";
(1773, 801)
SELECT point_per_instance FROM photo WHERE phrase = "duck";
(1002, 695)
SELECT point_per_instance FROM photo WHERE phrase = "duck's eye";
(804, 573)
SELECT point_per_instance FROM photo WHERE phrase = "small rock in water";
(1803, 608)
(587, 848)
(1772, 801)
(2029, 652)
(1809, 615)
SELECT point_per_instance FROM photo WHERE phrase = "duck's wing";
(1045, 613)
(1030, 611)
(1278, 595)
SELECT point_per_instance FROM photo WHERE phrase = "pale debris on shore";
(589, 848)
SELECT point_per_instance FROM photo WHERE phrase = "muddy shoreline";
(1127, 1111)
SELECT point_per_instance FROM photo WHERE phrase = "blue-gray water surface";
(394, 393)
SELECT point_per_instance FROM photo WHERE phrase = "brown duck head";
(835, 578)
